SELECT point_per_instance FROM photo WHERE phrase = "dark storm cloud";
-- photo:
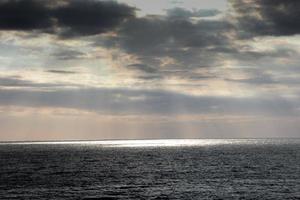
(66, 18)
(268, 17)
(24, 15)
(89, 17)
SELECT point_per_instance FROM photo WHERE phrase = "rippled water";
(151, 169)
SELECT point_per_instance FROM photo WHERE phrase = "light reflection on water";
(165, 142)
(151, 169)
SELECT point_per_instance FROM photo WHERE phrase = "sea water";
(151, 169)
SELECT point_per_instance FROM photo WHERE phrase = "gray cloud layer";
(127, 101)
(190, 44)
(207, 43)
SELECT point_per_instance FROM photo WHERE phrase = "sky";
(151, 69)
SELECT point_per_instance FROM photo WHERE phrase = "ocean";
(151, 169)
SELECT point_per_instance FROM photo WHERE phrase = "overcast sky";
(132, 69)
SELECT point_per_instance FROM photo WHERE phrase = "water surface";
(151, 169)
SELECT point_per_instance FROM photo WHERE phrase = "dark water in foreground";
(167, 169)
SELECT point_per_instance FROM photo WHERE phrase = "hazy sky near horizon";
(134, 69)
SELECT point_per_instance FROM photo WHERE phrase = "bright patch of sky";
(159, 7)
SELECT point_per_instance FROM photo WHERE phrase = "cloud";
(67, 18)
(56, 71)
(63, 54)
(142, 67)
(261, 79)
(164, 36)
(19, 82)
(123, 101)
(24, 15)
(90, 17)
(191, 44)
(151, 39)
(15, 81)
(267, 17)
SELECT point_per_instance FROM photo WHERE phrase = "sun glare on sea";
(150, 143)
